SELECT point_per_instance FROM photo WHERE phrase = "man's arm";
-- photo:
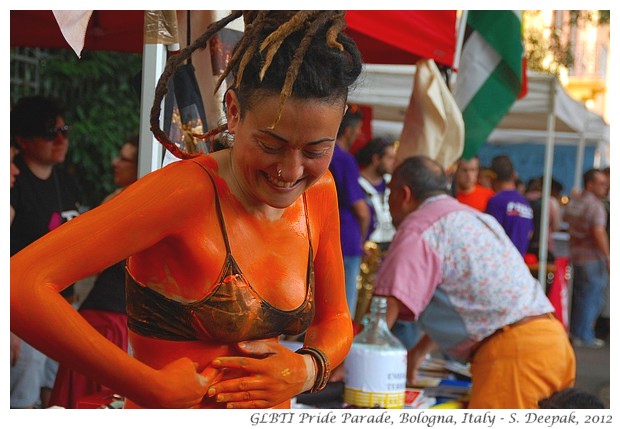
(362, 214)
(417, 354)
(599, 234)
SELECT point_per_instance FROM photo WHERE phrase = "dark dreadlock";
(281, 39)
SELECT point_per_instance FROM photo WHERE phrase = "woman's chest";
(188, 267)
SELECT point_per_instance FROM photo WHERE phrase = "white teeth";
(279, 183)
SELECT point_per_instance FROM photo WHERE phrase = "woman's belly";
(158, 353)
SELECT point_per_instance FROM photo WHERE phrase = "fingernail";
(211, 391)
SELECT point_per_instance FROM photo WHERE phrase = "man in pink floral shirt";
(455, 270)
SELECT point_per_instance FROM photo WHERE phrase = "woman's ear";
(233, 111)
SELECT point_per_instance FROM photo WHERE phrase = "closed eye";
(312, 154)
(270, 148)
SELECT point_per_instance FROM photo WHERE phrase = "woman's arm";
(332, 329)
(144, 214)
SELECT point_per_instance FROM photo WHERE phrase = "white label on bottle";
(375, 369)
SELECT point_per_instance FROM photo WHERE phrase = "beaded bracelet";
(323, 370)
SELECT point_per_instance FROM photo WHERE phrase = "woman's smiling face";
(276, 165)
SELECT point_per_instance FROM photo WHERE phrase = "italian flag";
(490, 73)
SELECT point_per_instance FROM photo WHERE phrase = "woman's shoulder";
(179, 179)
(325, 183)
(180, 170)
(323, 192)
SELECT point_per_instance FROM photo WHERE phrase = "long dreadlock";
(284, 24)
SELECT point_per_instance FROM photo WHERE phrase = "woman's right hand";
(179, 385)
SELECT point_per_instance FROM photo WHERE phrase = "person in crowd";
(589, 254)
(352, 207)
(15, 347)
(571, 398)
(520, 185)
(486, 177)
(104, 306)
(602, 323)
(13, 169)
(376, 163)
(467, 190)
(43, 197)
(226, 251)
(454, 270)
(509, 206)
(533, 194)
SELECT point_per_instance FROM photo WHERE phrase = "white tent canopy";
(545, 114)
(528, 120)
(387, 89)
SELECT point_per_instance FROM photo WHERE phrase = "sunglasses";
(52, 133)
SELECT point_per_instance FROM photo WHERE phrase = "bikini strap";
(220, 216)
(307, 218)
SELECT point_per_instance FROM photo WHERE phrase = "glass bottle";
(376, 366)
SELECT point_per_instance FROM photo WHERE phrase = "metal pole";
(153, 63)
(459, 39)
(546, 191)
(462, 25)
(579, 162)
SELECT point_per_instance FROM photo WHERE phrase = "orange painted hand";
(179, 385)
(269, 374)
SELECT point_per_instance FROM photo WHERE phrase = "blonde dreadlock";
(283, 25)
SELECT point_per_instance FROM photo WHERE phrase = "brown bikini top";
(232, 312)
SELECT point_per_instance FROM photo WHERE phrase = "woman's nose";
(292, 166)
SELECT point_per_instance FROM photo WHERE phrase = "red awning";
(384, 37)
(403, 36)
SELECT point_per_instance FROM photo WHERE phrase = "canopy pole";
(160, 35)
(153, 63)
(579, 162)
(546, 191)
(460, 37)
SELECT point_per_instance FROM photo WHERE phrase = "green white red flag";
(490, 75)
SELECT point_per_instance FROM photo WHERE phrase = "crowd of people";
(196, 280)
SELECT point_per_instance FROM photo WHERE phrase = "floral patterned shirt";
(456, 271)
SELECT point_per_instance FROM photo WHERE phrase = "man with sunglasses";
(43, 197)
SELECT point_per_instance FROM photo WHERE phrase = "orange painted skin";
(166, 224)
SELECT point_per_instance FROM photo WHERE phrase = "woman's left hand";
(269, 374)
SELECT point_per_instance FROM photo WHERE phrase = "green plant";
(103, 107)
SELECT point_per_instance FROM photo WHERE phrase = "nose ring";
(279, 173)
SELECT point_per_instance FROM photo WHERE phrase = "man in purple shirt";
(454, 270)
(511, 209)
(354, 212)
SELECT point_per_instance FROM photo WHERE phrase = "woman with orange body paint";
(225, 251)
